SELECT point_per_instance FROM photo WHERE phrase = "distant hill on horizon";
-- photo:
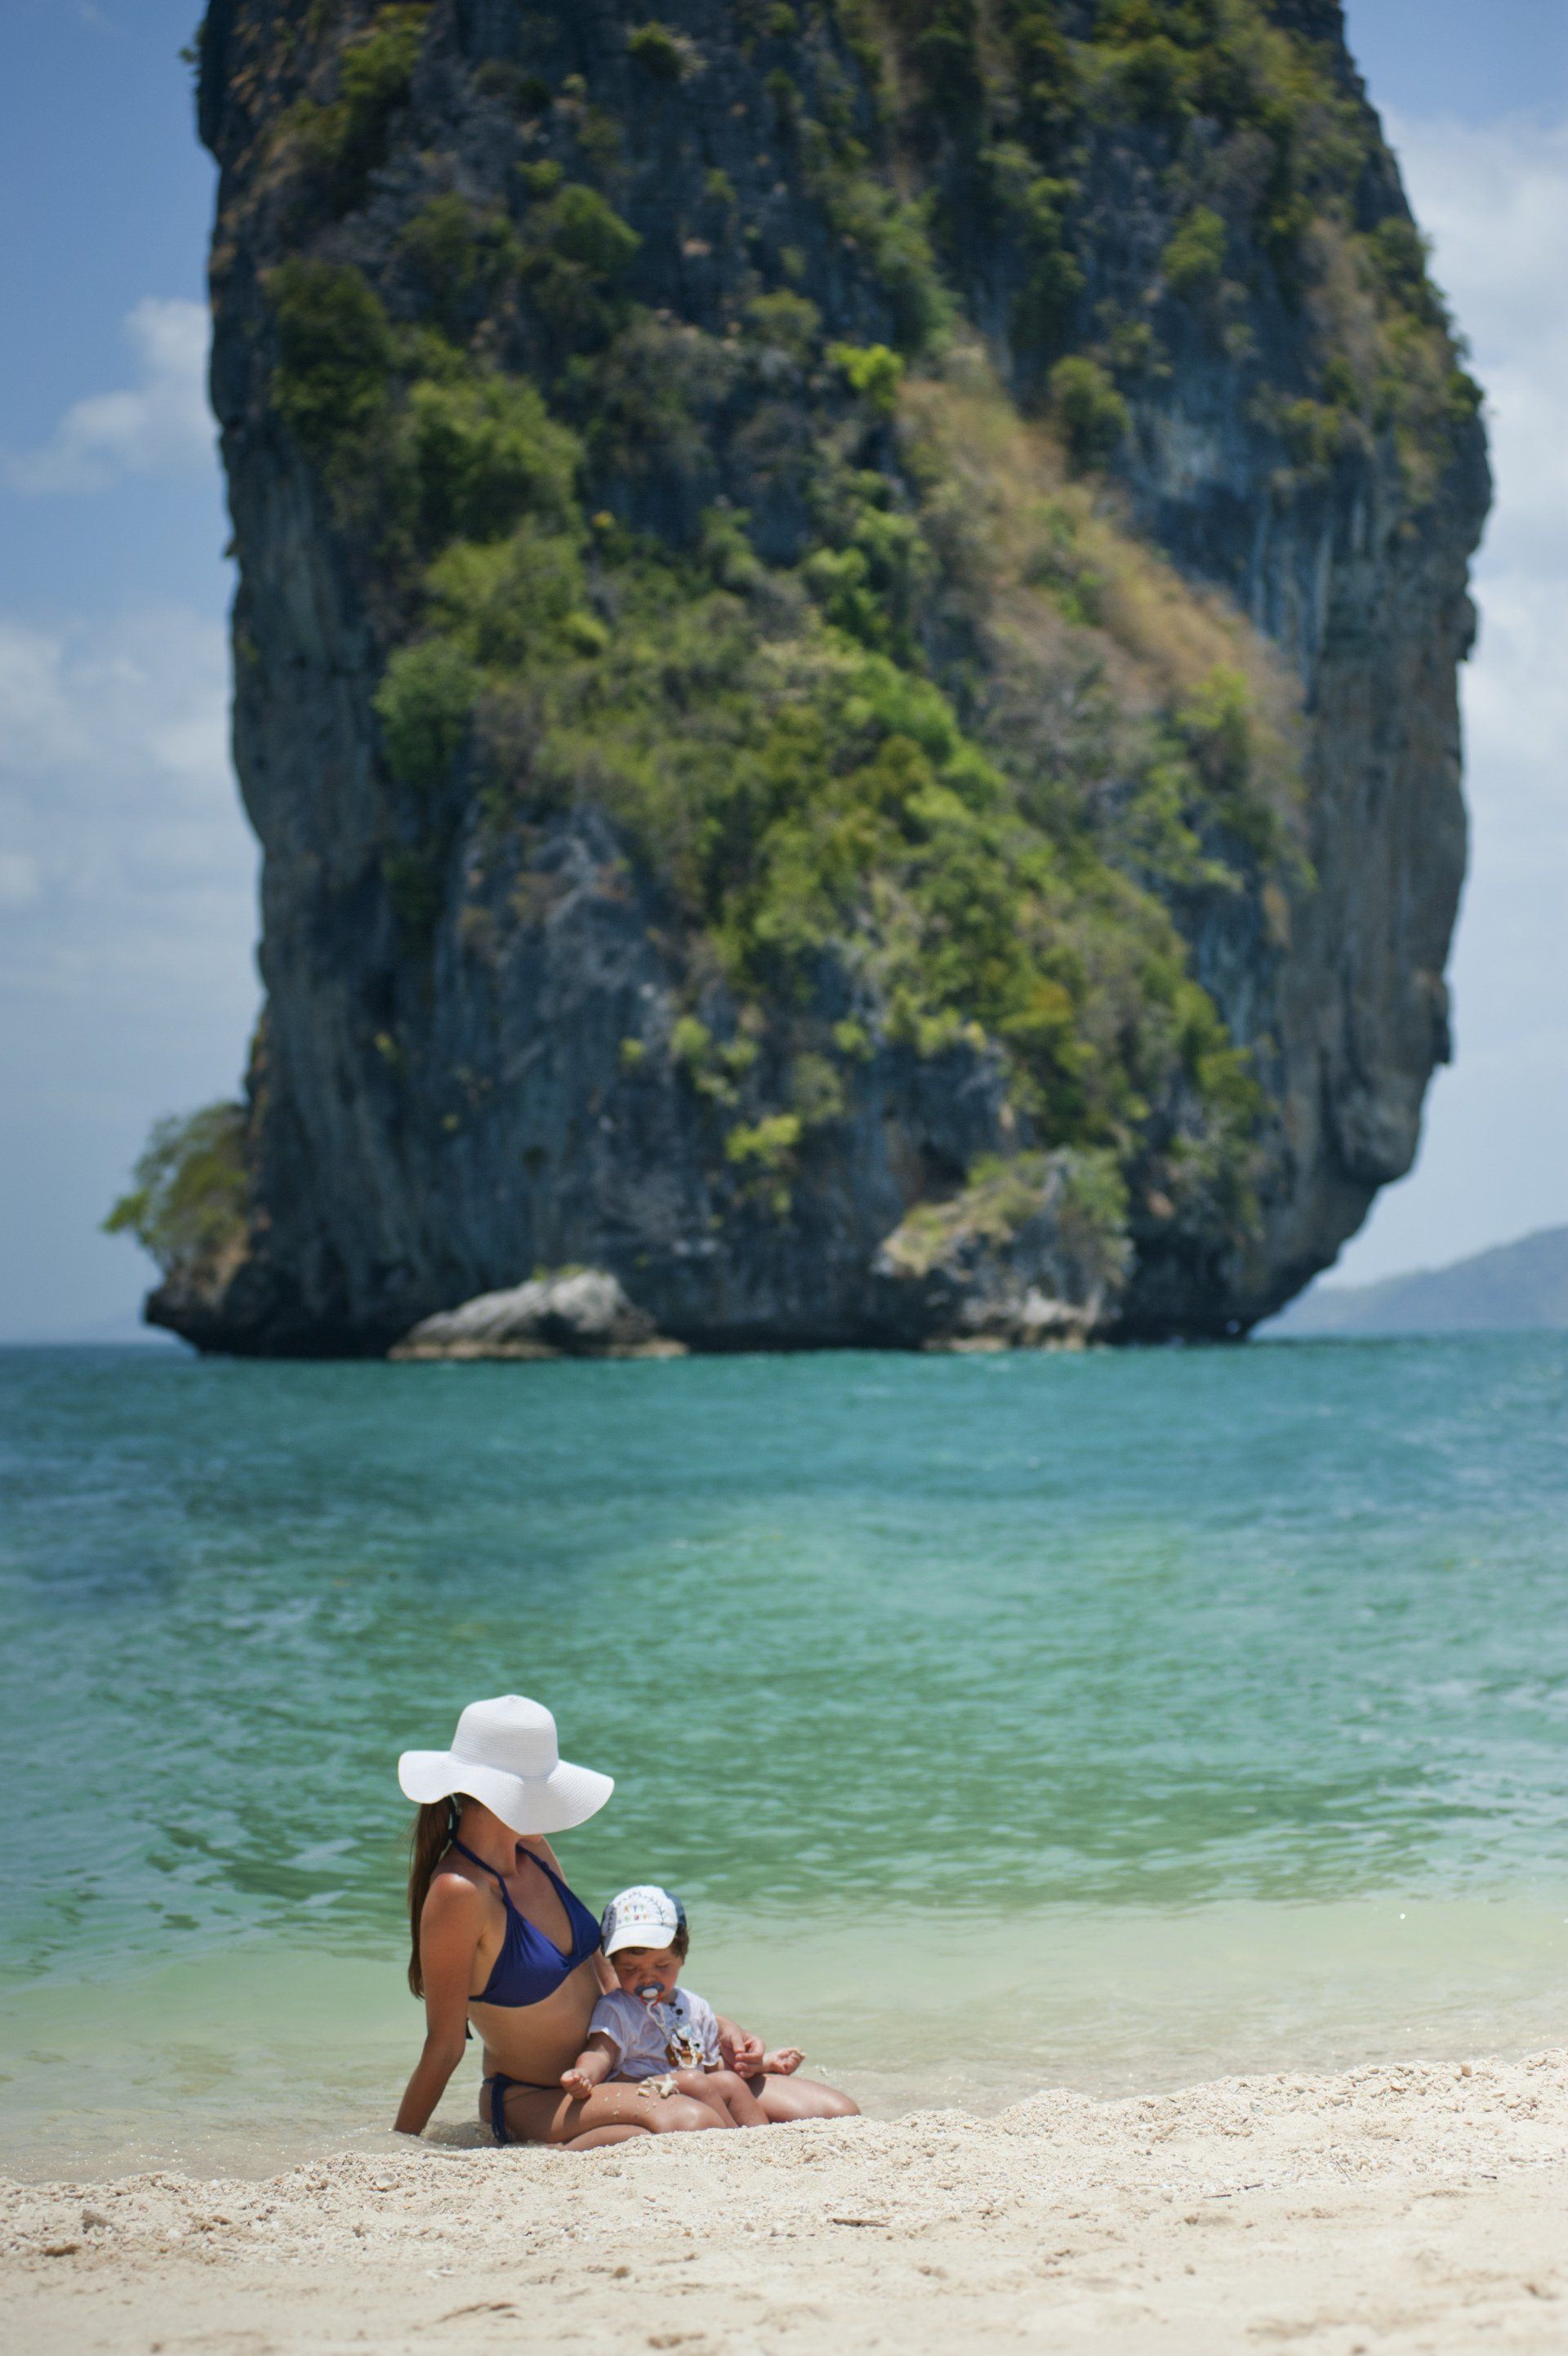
(1513, 1285)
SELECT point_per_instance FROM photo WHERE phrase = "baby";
(651, 2032)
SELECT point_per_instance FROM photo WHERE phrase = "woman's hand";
(742, 2051)
(784, 2064)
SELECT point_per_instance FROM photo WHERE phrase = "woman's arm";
(741, 2048)
(449, 1932)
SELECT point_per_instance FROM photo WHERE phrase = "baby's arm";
(592, 2066)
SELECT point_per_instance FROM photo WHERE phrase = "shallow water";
(1104, 1720)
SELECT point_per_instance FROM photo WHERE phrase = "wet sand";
(1415, 2208)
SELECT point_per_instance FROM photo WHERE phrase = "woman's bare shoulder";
(453, 1898)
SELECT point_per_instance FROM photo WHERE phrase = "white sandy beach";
(1410, 2208)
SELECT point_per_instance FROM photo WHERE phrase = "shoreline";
(1412, 2205)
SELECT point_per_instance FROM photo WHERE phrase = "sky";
(127, 874)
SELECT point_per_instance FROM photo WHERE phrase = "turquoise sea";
(1108, 1719)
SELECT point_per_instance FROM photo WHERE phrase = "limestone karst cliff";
(844, 660)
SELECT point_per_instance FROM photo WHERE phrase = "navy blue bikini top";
(531, 1966)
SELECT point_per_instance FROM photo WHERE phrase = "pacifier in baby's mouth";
(649, 1992)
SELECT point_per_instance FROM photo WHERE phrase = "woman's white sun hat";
(505, 1754)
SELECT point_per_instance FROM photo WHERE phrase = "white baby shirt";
(649, 2038)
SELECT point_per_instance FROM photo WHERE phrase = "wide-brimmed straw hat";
(505, 1753)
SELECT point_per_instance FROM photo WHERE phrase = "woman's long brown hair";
(427, 1842)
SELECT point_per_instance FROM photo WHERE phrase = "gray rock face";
(1017, 1260)
(1347, 1010)
(577, 1313)
(393, 1180)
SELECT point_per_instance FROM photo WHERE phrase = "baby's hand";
(783, 2063)
(578, 2084)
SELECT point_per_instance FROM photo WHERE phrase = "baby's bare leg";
(549, 2115)
(726, 2092)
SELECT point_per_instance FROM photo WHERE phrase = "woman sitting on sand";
(500, 1941)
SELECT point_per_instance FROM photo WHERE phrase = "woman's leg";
(801, 2098)
(549, 2115)
(662, 2113)
(697, 2086)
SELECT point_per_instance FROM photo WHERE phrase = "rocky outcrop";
(549, 977)
(1031, 1255)
(572, 1313)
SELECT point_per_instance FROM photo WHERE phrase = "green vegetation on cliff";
(187, 1202)
(821, 580)
(772, 737)
(799, 748)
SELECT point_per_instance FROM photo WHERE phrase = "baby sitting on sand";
(654, 2034)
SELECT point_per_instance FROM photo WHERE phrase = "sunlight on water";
(1103, 1720)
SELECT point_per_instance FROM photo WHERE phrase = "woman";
(499, 1939)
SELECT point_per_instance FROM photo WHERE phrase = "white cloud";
(121, 834)
(1495, 201)
(159, 425)
(37, 726)
(1495, 1163)
(1490, 196)
(1516, 694)
(128, 982)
